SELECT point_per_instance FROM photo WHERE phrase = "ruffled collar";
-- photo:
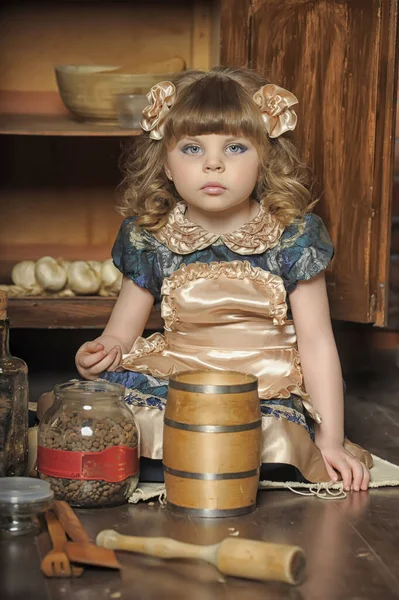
(183, 237)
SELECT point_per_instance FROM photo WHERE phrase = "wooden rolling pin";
(232, 556)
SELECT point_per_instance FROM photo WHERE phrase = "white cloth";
(383, 474)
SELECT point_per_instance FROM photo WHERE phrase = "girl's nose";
(213, 164)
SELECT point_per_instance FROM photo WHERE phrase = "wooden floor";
(352, 545)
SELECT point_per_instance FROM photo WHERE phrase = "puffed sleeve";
(306, 249)
(134, 255)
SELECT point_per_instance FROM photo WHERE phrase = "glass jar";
(88, 445)
(14, 407)
(22, 499)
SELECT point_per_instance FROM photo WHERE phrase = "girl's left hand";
(355, 475)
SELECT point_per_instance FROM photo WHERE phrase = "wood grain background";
(339, 57)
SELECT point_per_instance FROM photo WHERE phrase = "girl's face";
(213, 172)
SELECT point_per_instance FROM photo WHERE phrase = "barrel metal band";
(214, 389)
(210, 512)
(212, 428)
(211, 476)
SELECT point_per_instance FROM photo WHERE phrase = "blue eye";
(191, 149)
(237, 148)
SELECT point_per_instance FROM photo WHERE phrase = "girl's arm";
(126, 323)
(323, 379)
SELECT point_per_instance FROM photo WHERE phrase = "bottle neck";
(4, 338)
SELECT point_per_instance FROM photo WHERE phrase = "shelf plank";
(60, 125)
(92, 312)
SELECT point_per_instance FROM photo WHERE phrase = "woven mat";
(383, 474)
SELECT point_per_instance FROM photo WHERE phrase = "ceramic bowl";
(89, 92)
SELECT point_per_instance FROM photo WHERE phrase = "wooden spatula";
(81, 550)
(232, 556)
(90, 554)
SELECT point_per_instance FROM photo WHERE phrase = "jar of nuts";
(88, 445)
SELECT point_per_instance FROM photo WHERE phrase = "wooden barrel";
(211, 443)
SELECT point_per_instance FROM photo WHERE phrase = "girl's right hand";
(92, 359)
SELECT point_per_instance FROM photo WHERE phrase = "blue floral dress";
(225, 303)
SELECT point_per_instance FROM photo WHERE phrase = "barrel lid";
(24, 490)
(3, 305)
(213, 381)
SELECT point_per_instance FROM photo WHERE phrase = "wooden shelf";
(41, 312)
(63, 125)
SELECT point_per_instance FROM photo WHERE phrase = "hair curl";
(217, 101)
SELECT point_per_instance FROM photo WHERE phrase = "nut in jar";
(88, 445)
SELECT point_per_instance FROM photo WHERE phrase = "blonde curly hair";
(217, 101)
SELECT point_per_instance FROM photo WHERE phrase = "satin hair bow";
(273, 101)
(160, 97)
(275, 105)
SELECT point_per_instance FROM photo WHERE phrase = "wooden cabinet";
(59, 177)
(340, 58)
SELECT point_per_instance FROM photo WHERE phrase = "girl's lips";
(213, 188)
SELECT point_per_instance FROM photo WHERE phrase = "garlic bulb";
(50, 274)
(96, 265)
(83, 278)
(65, 264)
(111, 276)
(66, 291)
(23, 275)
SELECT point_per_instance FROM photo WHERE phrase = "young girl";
(219, 235)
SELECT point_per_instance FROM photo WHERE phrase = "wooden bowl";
(88, 91)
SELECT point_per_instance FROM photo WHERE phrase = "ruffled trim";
(233, 270)
(299, 391)
(295, 389)
(155, 343)
(255, 237)
(307, 402)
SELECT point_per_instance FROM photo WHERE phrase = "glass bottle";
(88, 447)
(13, 404)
